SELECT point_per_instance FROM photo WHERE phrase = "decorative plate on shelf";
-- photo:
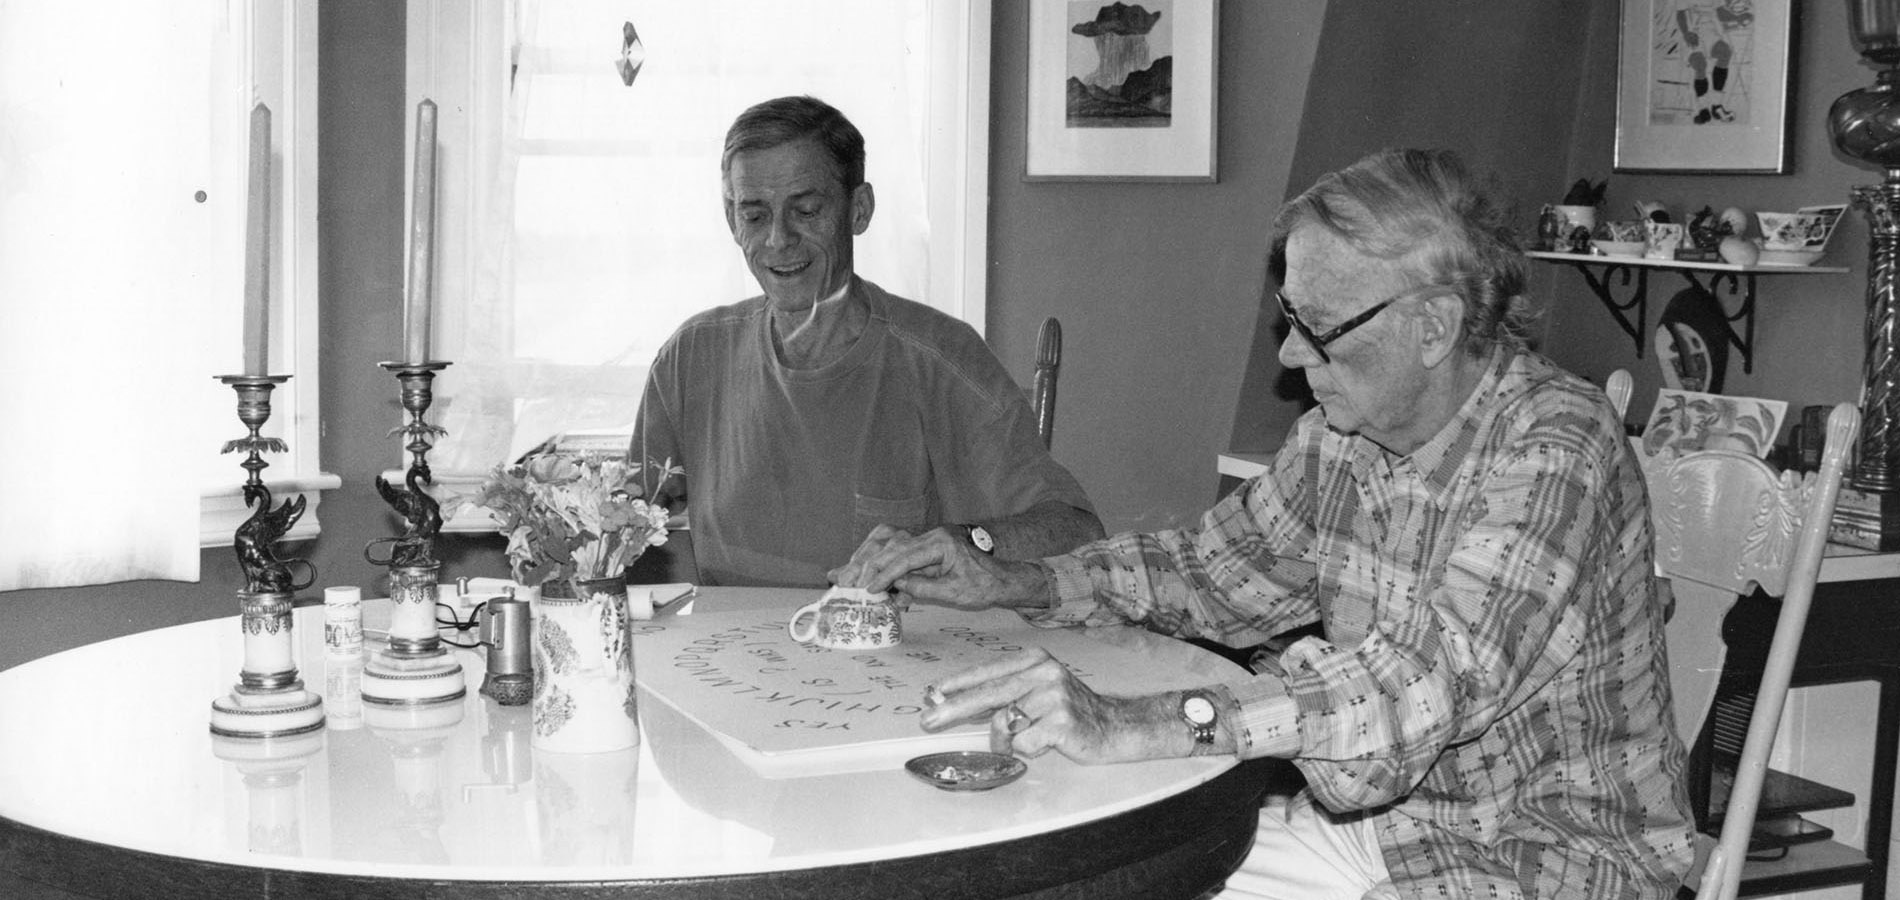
(1789, 257)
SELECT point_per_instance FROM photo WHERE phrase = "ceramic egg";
(1736, 220)
(1739, 251)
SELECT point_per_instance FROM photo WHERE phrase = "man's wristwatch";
(980, 539)
(1197, 710)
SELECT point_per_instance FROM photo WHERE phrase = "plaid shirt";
(1492, 683)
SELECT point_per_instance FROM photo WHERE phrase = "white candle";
(421, 239)
(257, 248)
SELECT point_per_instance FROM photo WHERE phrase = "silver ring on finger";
(1015, 720)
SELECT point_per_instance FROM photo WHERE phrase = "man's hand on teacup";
(940, 567)
(1034, 704)
(852, 573)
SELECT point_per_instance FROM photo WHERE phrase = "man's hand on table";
(939, 566)
(1057, 711)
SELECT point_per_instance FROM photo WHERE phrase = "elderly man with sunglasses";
(1485, 710)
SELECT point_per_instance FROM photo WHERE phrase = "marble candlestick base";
(415, 668)
(269, 700)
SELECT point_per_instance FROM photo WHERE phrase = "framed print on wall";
(1702, 86)
(1122, 91)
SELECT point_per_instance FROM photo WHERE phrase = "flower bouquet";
(571, 518)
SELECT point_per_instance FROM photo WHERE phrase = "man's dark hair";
(787, 119)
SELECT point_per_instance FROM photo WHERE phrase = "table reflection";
(272, 774)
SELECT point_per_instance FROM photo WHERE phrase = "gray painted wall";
(1158, 285)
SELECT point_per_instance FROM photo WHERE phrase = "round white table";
(111, 785)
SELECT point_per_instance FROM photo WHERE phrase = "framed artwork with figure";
(1703, 86)
(1122, 91)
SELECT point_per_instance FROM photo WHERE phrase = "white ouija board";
(794, 709)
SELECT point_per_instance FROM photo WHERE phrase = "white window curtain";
(106, 259)
(581, 216)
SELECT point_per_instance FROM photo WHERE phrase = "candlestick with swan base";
(415, 668)
(269, 700)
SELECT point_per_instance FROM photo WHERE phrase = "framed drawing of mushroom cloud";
(1122, 91)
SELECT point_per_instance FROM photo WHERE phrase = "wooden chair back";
(1727, 519)
(1042, 391)
(1618, 387)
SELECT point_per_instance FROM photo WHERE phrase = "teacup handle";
(811, 630)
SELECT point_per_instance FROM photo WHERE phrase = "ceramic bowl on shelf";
(1805, 229)
(1773, 257)
(1618, 248)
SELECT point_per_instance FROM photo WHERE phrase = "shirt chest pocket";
(908, 513)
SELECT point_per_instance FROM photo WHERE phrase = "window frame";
(274, 61)
(441, 65)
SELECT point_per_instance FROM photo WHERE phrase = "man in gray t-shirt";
(828, 411)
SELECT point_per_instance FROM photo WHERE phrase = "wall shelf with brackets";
(1609, 275)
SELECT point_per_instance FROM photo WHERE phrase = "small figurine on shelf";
(1651, 211)
(1706, 232)
(1550, 224)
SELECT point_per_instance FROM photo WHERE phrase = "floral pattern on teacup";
(844, 619)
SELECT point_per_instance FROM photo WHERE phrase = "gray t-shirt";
(787, 470)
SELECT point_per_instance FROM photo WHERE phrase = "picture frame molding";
(1187, 150)
(1765, 148)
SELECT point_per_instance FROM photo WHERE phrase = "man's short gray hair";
(1423, 210)
(786, 119)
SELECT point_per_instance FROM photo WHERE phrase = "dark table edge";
(1181, 846)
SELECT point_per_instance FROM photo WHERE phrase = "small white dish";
(966, 770)
(1618, 248)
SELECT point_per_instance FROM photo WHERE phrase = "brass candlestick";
(269, 700)
(1865, 125)
(415, 667)
(420, 512)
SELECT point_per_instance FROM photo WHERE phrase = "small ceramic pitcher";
(1662, 239)
(848, 619)
(584, 699)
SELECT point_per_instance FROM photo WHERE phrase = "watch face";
(982, 539)
(1197, 710)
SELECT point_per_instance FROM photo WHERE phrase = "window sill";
(223, 510)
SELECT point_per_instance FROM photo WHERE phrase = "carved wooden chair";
(1726, 519)
(1792, 854)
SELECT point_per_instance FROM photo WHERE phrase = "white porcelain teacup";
(848, 619)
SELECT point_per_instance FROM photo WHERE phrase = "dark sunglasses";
(1319, 341)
